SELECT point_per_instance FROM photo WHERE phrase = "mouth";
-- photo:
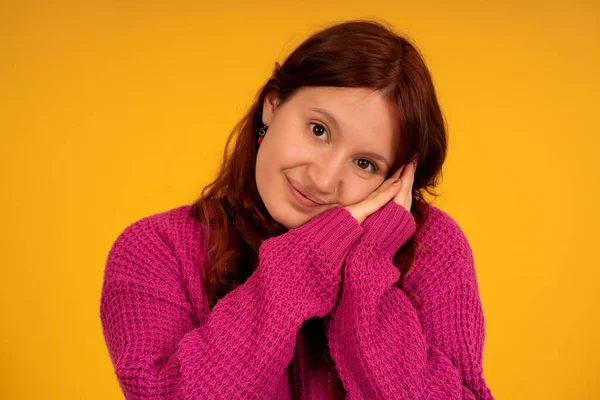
(300, 198)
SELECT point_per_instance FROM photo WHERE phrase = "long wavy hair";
(354, 54)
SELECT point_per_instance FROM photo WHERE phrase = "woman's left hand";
(406, 181)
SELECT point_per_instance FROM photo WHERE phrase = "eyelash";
(375, 168)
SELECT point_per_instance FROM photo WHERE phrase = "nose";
(325, 174)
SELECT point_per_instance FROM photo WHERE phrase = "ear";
(269, 106)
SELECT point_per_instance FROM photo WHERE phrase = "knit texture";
(165, 342)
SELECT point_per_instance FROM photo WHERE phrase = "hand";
(397, 188)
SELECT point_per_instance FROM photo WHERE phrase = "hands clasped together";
(397, 187)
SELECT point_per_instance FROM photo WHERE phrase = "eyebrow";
(334, 122)
(327, 115)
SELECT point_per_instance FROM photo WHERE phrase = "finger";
(409, 169)
(405, 178)
(379, 197)
(407, 182)
(383, 194)
(394, 185)
(408, 173)
(394, 177)
(386, 183)
(397, 174)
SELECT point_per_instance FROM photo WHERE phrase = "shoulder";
(442, 233)
(154, 242)
(168, 227)
(443, 257)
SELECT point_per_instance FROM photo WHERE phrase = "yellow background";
(116, 110)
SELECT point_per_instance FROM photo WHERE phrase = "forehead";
(363, 115)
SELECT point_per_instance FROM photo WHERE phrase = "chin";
(291, 219)
(287, 215)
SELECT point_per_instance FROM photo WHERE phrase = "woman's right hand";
(400, 181)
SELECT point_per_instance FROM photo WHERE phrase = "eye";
(367, 163)
(317, 129)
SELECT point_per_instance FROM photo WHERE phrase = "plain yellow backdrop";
(112, 111)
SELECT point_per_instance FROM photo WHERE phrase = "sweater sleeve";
(159, 349)
(380, 346)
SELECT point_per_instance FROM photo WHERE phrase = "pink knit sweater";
(165, 343)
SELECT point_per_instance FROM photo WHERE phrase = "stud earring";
(262, 133)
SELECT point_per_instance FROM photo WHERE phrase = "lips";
(301, 198)
(309, 198)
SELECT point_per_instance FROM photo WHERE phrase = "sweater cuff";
(391, 226)
(334, 230)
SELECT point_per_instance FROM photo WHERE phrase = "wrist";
(391, 226)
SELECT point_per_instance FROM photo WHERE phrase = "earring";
(262, 133)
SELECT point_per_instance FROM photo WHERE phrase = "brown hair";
(358, 54)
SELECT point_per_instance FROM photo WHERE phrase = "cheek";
(358, 189)
(290, 148)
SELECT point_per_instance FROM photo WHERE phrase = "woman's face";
(336, 145)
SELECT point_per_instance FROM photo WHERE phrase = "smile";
(301, 199)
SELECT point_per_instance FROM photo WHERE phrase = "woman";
(312, 267)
